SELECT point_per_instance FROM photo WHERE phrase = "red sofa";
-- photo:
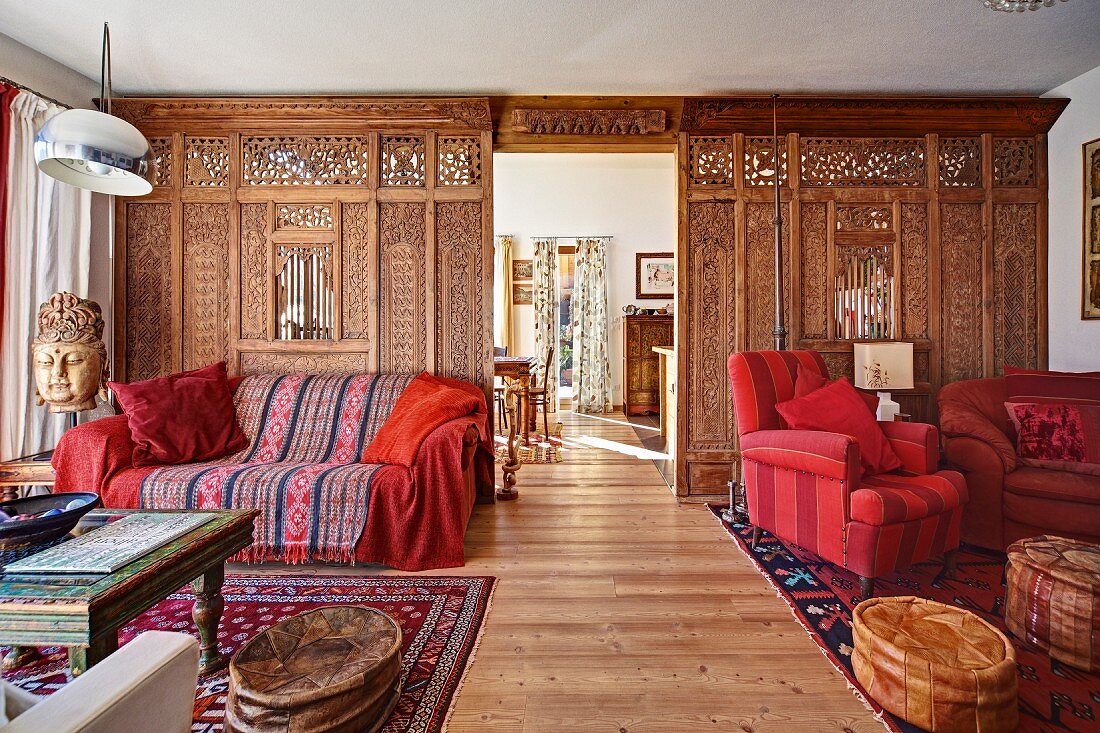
(807, 486)
(301, 469)
(1009, 501)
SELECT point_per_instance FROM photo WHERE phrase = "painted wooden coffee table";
(84, 612)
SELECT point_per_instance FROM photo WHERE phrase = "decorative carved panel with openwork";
(760, 161)
(160, 149)
(305, 160)
(303, 216)
(711, 161)
(459, 161)
(403, 161)
(960, 162)
(1013, 161)
(206, 161)
(862, 162)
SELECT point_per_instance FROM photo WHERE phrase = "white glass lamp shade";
(95, 151)
(884, 366)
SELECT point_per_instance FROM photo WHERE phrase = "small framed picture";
(522, 294)
(522, 269)
(656, 275)
(1090, 287)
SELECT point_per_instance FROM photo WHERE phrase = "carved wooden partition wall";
(937, 208)
(309, 234)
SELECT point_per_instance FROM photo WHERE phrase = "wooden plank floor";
(619, 611)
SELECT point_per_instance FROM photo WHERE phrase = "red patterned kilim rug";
(1054, 698)
(441, 619)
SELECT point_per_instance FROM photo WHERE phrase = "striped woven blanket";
(300, 469)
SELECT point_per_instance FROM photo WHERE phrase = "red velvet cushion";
(425, 404)
(837, 408)
(1062, 436)
(181, 418)
(1028, 385)
(809, 381)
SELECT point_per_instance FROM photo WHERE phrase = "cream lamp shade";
(887, 365)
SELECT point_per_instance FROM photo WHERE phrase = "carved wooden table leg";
(83, 657)
(20, 655)
(525, 405)
(508, 470)
(207, 613)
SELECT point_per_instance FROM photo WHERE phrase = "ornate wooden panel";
(403, 161)
(588, 121)
(960, 162)
(148, 288)
(461, 347)
(1014, 161)
(277, 362)
(961, 290)
(814, 253)
(303, 216)
(459, 161)
(711, 161)
(301, 160)
(760, 274)
(403, 253)
(205, 284)
(255, 275)
(1015, 291)
(760, 161)
(862, 162)
(357, 257)
(160, 149)
(914, 271)
(206, 161)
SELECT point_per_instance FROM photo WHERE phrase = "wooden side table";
(35, 470)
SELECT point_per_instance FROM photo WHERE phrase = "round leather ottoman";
(335, 669)
(936, 666)
(1053, 598)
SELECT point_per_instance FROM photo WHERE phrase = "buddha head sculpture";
(70, 358)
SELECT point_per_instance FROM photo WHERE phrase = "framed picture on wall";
(522, 294)
(656, 275)
(1090, 287)
(522, 270)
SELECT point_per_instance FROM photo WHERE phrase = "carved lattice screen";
(309, 235)
(890, 232)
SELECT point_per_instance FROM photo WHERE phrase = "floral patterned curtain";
(545, 299)
(591, 366)
(502, 293)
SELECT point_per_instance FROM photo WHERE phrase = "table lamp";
(884, 366)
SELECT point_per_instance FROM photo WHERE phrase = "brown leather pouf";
(1053, 598)
(936, 666)
(335, 669)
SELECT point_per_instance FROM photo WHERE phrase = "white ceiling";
(590, 47)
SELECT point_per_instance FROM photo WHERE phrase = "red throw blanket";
(409, 518)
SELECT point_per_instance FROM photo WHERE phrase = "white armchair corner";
(147, 685)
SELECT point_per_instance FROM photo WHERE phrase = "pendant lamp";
(96, 150)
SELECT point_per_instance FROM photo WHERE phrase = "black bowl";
(44, 529)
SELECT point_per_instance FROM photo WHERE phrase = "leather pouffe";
(335, 669)
(1053, 598)
(936, 666)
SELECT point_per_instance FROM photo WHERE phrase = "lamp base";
(887, 408)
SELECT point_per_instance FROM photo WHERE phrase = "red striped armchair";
(807, 486)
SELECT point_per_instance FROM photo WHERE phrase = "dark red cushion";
(181, 418)
(838, 408)
(1029, 385)
(1062, 436)
(808, 381)
(892, 499)
(425, 404)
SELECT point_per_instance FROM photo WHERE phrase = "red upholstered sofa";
(1009, 501)
(302, 470)
(807, 487)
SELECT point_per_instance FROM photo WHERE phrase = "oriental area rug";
(440, 617)
(1054, 698)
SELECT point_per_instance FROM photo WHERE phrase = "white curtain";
(545, 299)
(502, 293)
(591, 365)
(48, 249)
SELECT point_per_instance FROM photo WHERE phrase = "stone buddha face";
(70, 358)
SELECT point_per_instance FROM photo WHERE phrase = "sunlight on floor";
(631, 450)
(619, 422)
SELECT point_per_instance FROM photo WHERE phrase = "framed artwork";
(1090, 287)
(522, 270)
(522, 294)
(656, 275)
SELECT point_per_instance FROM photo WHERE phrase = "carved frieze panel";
(712, 324)
(960, 163)
(839, 364)
(459, 161)
(303, 216)
(914, 271)
(461, 350)
(961, 290)
(402, 161)
(588, 121)
(1015, 297)
(403, 254)
(160, 150)
(760, 161)
(284, 362)
(355, 248)
(760, 274)
(207, 161)
(205, 284)
(864, 218)
(711, 161)
(1013, 161)
(863, 162)
(148, 290)
(305, 160)
(814, 254)
(255, 274)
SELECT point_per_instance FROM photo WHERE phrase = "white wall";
(628, 196)
(1074, 343)
(46, 76)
